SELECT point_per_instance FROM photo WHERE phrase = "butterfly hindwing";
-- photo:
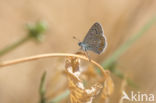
(95, 40)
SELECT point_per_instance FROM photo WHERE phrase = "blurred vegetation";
(35, 31)
(114, 57)
(60, 97)
(111, 62)
(42, 89)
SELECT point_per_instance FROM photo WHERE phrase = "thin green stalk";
(42, 89)
(60, 97)
(14, 45)
(108, 64)
(35, 31)
(126, 45)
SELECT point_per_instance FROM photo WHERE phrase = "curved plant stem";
(50, 55)
(13, 46)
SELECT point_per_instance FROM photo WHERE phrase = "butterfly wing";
(95, 39)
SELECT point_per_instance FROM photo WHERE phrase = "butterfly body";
(83, 46)
(94, 40)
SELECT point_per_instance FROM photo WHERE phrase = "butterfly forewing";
(95, 40)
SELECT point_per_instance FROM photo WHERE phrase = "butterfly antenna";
(74, 37)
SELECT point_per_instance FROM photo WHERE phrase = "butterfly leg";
(87, 55)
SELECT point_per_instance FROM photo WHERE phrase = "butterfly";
(95, 40)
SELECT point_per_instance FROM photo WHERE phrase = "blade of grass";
(14, 45)
(132, 83)
(113, 58)
(60, 97)
(127, 44)
(42, 89)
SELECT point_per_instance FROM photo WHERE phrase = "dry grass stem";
(49, 55)
(78, 92)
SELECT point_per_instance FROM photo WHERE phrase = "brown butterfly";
(94, 40)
